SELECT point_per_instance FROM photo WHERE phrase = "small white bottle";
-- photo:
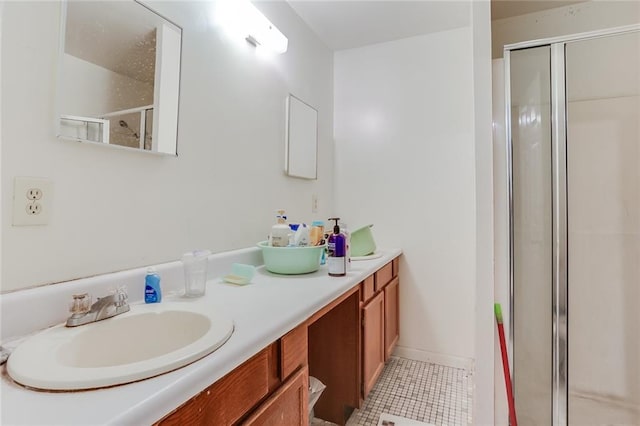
(280, 231)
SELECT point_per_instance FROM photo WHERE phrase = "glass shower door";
(603, 218)
(531, 243)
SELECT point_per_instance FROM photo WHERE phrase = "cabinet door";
(391, 316)
(372, 342)
(287, 406)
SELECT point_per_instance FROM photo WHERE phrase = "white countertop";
(262, 311)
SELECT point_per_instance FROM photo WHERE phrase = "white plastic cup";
(195, 272)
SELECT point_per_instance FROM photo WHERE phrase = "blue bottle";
(152, 291)
(337, 251)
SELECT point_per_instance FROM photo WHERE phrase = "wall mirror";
(119, 76)
(301, 150)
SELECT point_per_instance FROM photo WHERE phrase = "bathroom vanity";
(337, 329)
(345, 345)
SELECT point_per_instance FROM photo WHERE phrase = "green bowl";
(362, 243)
(291, 260)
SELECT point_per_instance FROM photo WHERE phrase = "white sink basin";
(146, 341)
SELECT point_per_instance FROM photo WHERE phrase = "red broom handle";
(505, 366)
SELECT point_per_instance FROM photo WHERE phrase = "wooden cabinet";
(383, 276)
(293, 351)
(380, 322)
(373, 353)
(368, 288)
(344, 344)
(391, 316)
(335, 356)
(227, 400)
(287, 406)
(264, 377)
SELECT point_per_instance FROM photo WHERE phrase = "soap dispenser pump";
(337, 251)
(280, 231)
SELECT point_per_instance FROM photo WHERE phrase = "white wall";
(483, 401)
(114, 210)
(405, 161)
(90, 90)
(501, 235)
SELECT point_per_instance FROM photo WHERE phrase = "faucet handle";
(81, 304)
(122, 298)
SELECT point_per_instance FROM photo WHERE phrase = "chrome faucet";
(83, 312)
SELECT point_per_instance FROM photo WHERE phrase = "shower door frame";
(560, 278)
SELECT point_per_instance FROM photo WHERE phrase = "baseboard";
(442, 359)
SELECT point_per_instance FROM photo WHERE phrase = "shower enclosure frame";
(560, 278)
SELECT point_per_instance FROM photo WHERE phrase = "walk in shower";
(573, 132)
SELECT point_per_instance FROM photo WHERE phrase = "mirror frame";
(301, 139)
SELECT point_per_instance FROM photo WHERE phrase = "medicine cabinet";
(119, 76)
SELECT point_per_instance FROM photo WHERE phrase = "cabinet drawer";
(293, 351)
(368, 288)
(227, 400)
(396, 266)
(287, 406)
(384, 275)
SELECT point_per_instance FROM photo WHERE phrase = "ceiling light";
(242, 18)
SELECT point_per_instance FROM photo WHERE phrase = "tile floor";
(420, 391)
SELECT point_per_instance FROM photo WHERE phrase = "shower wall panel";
(603, 189)
(532, 233)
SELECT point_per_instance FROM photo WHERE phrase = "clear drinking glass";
(195, 272)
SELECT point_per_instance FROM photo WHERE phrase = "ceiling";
(119, 36)
(507, 8)
(345, 24)
(349, 24)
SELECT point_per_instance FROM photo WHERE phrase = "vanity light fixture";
(242, 18)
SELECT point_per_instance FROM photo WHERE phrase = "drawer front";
(396, 266)
(368, 288)
(293, 351)
(227, 400)
(384, 275)
(288, 406)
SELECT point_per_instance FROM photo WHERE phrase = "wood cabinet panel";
(334, 359)
(287, 406)
(373, 353)
(227, 400)
(293, 350)
(396, 266)
(383, 276)
(368, 288)
(391, 316)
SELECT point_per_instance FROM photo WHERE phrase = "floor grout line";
(419, 391)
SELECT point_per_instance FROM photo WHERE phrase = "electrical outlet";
(34, 194)
(314, 203)
(34, 208)
(32, 200)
